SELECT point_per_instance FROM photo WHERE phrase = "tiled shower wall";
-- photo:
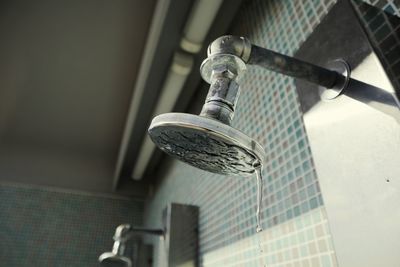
(41, 227)
(296, 230)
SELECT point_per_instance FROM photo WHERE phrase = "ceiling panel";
(67, 71)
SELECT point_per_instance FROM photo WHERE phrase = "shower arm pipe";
(124, 232)
(238, 51)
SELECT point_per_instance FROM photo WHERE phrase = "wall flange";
(342, 67)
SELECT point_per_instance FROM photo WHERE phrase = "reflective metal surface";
(206, 143)
(222, 96)
(178, 240)
(342, 67)
(235, 52)
(180, 247)
(355, 143)
(109, 259)
(181, 242)
(123, 234)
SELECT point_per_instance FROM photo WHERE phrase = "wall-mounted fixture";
(207, 141)
(179, 236)
(122, 235)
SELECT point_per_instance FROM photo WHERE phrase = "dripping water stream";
(258, 170)
(259, 229)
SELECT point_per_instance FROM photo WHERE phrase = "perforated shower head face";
(109, 259)
(206, 144)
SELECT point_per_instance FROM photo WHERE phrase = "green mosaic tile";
(41, 228)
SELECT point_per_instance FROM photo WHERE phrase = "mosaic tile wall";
(296, 230)
(40, 228)
(383, 27)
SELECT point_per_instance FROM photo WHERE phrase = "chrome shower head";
(110, 259)
(206, 143)
(123, 233)
(116, 256)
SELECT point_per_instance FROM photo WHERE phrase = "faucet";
(123, 233)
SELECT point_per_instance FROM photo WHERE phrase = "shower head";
(116, 256)
(206, 143)
(123, 233)
(110, 259)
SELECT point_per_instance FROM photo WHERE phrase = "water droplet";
(259, 197)
(259, 229)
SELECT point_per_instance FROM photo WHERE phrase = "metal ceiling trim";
(158, 20)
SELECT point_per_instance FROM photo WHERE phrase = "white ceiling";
(67, 69)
